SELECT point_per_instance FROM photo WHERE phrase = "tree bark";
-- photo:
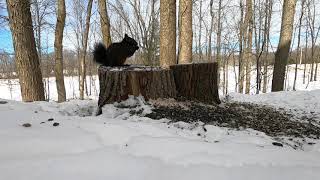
(197, 81)
(282, 53)
(185, 29)
(116, 84)
(61, 16)
(167, 33)
(200, 31)
(210, 32)
(26, 57)
(105, 23)
(298, 48)
(84, 51)
(219, 24)
(248, 51)
(242, 43)
(305, 56)
(267, 33)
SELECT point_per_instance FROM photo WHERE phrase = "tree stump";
(117, 83)
(197, 81)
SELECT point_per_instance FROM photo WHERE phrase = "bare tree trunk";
(48, 72)
(210, 32)
(282, 53)
(235, 72)
(311, 23)
(84, 51)
(219, 29)
(167, 33)
(26, 57)
(61, 16)
(219, 24)
(269, 5)
(316, 69)
(38, 29)
(105, 23)
(241, 45)
(185, 31)
(257, 38)
(305, 56)
(200, 29)
(298, 48)
(248, 52)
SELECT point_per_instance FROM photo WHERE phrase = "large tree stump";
(197, 81)
(117, 83)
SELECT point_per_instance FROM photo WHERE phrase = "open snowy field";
(117, 145)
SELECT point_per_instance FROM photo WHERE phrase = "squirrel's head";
(130, 42)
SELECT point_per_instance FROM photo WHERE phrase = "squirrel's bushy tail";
(99, 53)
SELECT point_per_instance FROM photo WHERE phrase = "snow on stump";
(197, 81)
(117, 83)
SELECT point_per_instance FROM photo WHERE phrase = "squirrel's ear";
(126, 35)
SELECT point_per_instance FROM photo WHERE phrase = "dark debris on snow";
(236, 115)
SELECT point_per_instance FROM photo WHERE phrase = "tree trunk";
(305, 56)
(219, 29)
(298, 48)
(197, 81)
(61, 16)
(248, 51)
(269, 5)
(105, 23)
(26, 57)
(185, 31)
(210, 32)
(219, 24)
(316, 69)
(282, 53)
(84, 51)
(167, 33)
(313, 34)
(260, 39)
(241, 45)
(200, 29)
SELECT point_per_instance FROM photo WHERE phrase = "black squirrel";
(117, 53)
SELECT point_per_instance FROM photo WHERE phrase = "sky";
(6, 40)
(69, 36)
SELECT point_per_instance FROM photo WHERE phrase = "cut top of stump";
(131, 68)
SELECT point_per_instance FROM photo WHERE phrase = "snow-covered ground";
(117, 145)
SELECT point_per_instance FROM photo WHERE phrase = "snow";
(300, 102)
(116, 145)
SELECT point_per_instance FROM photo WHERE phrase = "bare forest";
(260, 45)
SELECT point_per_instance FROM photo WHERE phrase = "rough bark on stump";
(197, 81)
(117, 83)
